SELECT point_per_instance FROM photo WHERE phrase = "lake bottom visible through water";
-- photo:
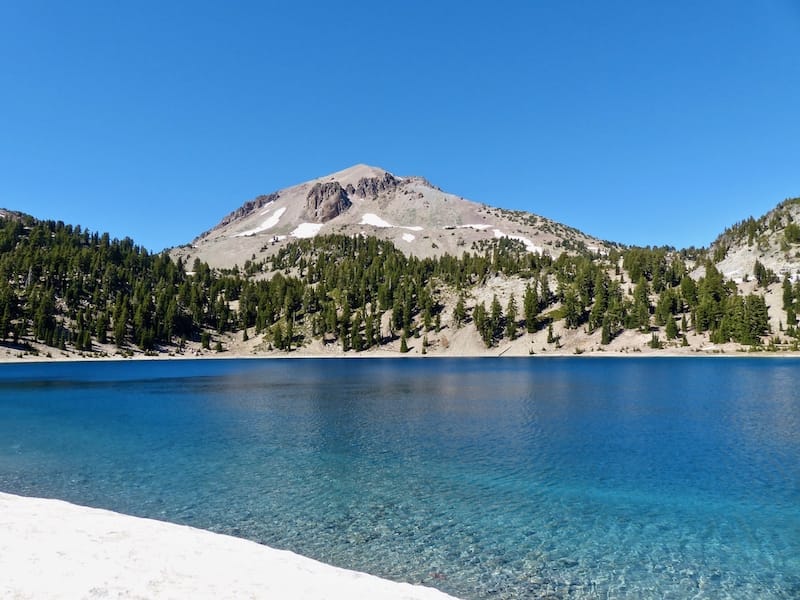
(485, 478)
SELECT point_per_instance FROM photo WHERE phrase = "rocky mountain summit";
(418, 217)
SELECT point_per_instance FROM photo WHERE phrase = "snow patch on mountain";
(268, 223)
(374, 220)
(306, 230)
(529, 245)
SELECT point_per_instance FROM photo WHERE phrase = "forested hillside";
(72, 290)
(67, 287)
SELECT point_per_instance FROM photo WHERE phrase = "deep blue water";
(486, 478)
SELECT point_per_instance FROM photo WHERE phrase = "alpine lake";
(485, 478)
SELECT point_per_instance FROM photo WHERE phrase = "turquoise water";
(486, 478)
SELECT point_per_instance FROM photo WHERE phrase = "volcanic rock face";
(326, 201)
(244, 210)
(370, 187)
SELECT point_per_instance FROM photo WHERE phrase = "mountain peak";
(352, 175)
(419, 218)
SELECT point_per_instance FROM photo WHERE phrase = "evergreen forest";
(71, 289)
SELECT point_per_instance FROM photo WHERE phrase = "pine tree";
(545, 295)
(120, 326)
(398, 316)
(671, 329)
(356, 341)
(496, 318)
(605, 335)
(84, 341)
(101, 326)
(759, 271)
(511, 318)
(689, 290)
(757, 317)
(572, 312)
(277, 336)
(788, 295)
(5, 321)
(479, 318)
(600, 306)
(369, 331)
(530, 307)
(641, 305)
(460, 311)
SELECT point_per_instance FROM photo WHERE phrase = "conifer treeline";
(62, 285)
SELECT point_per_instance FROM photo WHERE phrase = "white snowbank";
(529, 245)
(268, 223)
(53, 549)
(476, 226)
(374, 220)
(267, 208)
(306, 230)
(409, 237)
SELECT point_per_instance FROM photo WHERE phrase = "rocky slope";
(418, 217)
(773, 240)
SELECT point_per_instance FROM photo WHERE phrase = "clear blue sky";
(641, 122)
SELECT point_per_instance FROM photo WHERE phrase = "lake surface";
(486, 478)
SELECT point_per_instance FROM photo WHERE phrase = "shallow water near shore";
(485, 478)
